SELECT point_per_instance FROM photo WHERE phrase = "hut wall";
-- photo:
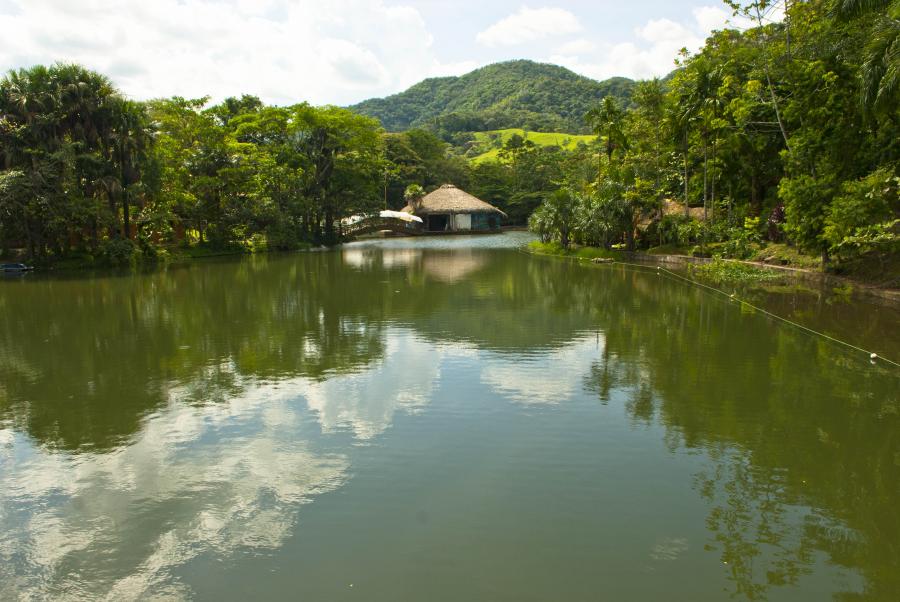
(462, 221)
(484, 221)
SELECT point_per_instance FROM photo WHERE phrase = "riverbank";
(162, 257)
(722, 271)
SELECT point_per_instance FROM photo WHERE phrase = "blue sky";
(342, 51)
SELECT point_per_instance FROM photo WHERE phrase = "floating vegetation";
(733, 272)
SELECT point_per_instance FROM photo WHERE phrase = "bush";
(258, 243)
(118, 252)
(281, 235)
(863, 217)
(670, 230)
(742, 243)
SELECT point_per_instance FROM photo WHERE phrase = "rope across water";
(661, 270)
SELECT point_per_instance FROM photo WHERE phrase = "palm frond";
(848, 9)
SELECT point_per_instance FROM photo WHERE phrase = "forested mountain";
(524, 94)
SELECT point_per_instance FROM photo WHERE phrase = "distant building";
(449, 209)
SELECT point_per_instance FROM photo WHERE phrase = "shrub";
(863, 217)
(118, 252)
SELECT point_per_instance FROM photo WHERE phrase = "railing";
(377, 224)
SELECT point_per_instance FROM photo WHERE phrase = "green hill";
(514, 94)
(488, 144)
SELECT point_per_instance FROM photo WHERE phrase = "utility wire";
(871, 354)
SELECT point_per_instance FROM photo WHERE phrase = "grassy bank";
(719, 271)
(785, 267)
(574, 251)
(160, 257)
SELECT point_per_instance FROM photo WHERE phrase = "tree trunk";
(126, 218)
(754, 195)
(687, 211)
(705, 180)
(599, 168)
(329, 226)
(29, 240)
(114, 212)
(656, 161)
(781, 127)
(712, 183)
(730, 200)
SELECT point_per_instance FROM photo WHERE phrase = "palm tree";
(681, 118)
(880, 72)
(130, 137)
(607, 119)
(650, 96)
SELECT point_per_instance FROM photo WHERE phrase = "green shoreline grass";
(165, 256)
(574, 251)
(719, 271)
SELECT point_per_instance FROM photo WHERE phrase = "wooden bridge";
(379, 224)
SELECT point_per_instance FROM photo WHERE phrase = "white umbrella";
(401, 215)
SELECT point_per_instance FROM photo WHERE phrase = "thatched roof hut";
(450, 209)
(450, 199)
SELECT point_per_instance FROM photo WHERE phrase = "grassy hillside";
(489, 143)
(523, 94)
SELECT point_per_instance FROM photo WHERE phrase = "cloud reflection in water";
(223, 478)
(198, 479)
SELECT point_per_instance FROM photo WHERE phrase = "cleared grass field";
(487, 140)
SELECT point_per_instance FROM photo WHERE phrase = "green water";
(441, 419)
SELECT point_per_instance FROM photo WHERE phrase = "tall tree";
(607, 120)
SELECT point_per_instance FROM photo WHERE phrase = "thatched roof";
(450, 199)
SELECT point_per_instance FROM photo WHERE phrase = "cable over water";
(873, 357)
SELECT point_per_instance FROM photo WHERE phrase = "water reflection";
(801, 438)
(551, 377)
(215, 479)
(366, 401)
(150, 423)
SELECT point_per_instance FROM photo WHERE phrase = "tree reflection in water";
(800, 440)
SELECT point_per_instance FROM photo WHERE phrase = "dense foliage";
(534, 96)
(92, 177)
(788, 131)
(87, 172)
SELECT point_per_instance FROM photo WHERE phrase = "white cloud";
(654, 48)
(711, 17)
(283, 50)
(529, 24)
(576, 47)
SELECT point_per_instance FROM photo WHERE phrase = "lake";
(441, 419)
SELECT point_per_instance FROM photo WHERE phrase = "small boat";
(15, 268)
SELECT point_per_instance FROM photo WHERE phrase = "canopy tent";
(406, 217)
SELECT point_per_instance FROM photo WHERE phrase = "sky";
(342, 51)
